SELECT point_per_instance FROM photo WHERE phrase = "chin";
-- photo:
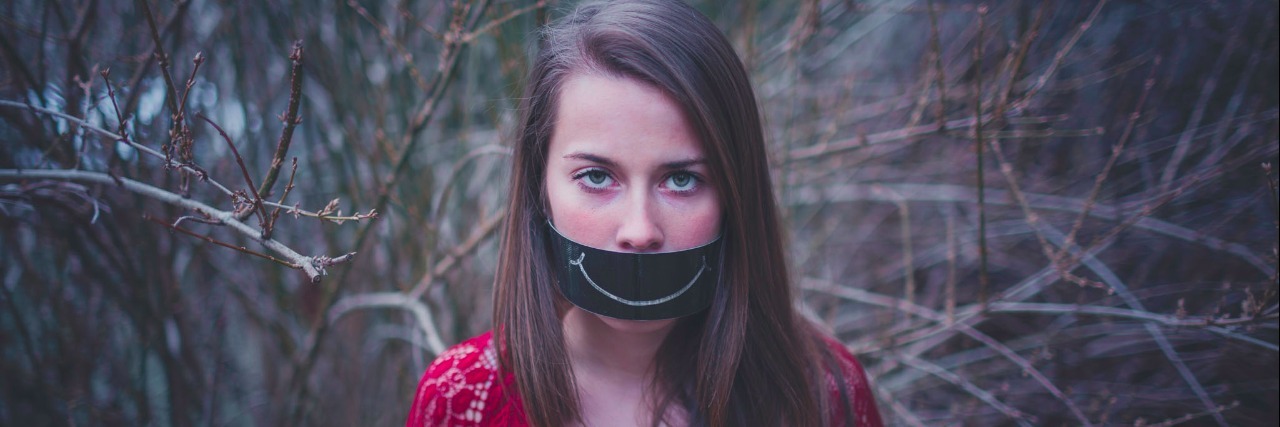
(635, 326)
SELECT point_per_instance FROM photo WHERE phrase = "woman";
(642, 278)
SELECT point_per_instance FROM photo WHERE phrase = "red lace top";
(462, 388)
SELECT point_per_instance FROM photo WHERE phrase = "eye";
(682, 182)
(594, 179)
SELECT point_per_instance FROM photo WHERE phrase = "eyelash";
(581, 175)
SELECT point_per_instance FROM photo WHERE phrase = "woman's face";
(625, 170)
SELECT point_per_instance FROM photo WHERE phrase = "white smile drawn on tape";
(578, 262)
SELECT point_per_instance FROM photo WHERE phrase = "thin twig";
(1019, 60)
(13, 57)
(407, 15)
(908, 258)
(903, 413)
(161, 57)
(983, 278)
(471, 36)
(928, 314)
(275, 213)
(1018, 417)
(111, 94)
(1172, 320)
(935, 46)
(478, 235)
(1114, 283)
(195, 218)
(458, 166)
(258, 207)
(1029, 287)
(1210, 85)
(174, 226)
(421, 118)
(949, 294)
(1118, 148)
(908, 133)
(1033, 134)
(944, 193)
(1215, 411)
(191, 82)
(116, 137)
(290, 119)
(1061, 55)
(385, 33)
(1033, 219)
(1275, 221)
(174, 18)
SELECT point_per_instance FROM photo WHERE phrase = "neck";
(598, 345)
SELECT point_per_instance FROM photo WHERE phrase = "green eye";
(597, 177)
(682, 181)
(594, 179)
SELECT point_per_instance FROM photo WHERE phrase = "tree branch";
(313, 266)
(392, 300)
(292, 209)
(290, 119)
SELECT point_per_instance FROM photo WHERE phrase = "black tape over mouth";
(635, 286)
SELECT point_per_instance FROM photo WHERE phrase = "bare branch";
(191, 81)
(309, 265)
(1115, 284)
(116, 137)
(962, 194)
(161, 57)
(1061, 55)
(241, 249)
(392, 300)
(385, 33)
(813, 152)
(179, 12)
(471, 36)
(258, 206)
(13, 57)
(486, 227)
(968, 386)
(964, 328)
(1126, 313)
(935, 49)
(984, 281)
(1116, 150)
(1207, 89)
(458, 166)
(290, 119)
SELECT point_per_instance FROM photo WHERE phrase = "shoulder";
(847, 382)
(459, 387)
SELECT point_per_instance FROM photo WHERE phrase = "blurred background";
(1014, 212)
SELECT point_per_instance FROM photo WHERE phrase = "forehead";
(622, 118)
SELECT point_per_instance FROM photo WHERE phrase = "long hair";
(754, 359)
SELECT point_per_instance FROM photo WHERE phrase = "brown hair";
(755, 360)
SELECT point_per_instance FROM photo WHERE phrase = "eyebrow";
(595, 158)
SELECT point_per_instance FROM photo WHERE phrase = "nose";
(639, 231)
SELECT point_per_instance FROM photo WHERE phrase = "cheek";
(694, 224)
(578, 217)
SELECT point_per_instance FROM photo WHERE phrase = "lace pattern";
(461, 388)
(458, 389)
